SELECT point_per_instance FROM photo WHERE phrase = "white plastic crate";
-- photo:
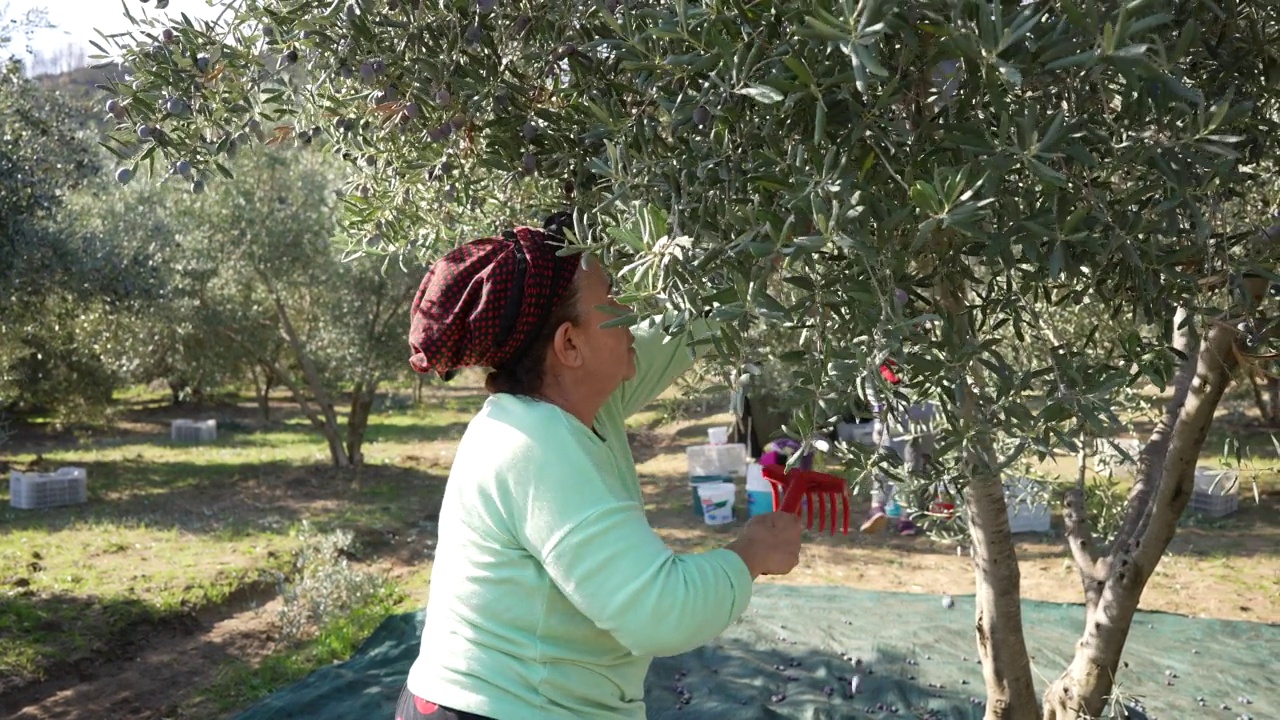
(31, 491)
(860, 433)
(193, 431)
(1107, 460)
(1217, 492)
(1027, 511)
(727, 460)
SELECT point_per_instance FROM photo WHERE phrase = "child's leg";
(913, 459)
(881, 490)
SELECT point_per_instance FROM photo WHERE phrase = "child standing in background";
(911, 437)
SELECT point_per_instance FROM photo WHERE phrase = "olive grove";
(249, 281)
(791, 165)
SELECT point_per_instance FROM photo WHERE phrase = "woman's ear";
(566, 346)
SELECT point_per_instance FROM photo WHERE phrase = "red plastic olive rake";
(791, 488)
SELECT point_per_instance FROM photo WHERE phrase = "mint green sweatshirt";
(550, 593)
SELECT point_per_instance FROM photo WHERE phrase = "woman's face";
(608, 355)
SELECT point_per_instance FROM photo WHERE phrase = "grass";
(86, 586)
(239, 684)
(172, 529)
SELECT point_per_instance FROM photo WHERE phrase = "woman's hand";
(770, 544)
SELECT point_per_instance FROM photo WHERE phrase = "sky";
(75, 20)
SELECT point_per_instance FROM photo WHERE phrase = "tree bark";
(1273, 393)
(1089, 564)
(358, 421)
(1264, 409)
(1002, 647)
(329, 425)
(1167, 482)
(262, 389)
(265, 403)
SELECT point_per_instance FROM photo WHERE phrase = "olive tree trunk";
(322, 414)
(362, 398)
(1268, 405)
(1006, 667)
(1114, 580)
(262, 388)
(326, 420)
(1273, 393)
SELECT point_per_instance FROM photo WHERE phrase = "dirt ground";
(1231, 570)
(1228, 569)
(164, 670)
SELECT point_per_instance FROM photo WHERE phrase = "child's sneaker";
(876, 521)
(906, 528)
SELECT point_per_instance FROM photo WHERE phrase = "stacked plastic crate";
(718, 461)
(1028, 505)
(35, 490)
(1217, 492)
(193, 431)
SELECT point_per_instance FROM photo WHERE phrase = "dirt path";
(163, 671)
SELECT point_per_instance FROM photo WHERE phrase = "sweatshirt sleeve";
(602, 554)
(660, 359)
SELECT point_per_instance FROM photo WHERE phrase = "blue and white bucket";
(697, 482)
(717, 502)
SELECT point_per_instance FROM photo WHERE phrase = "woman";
(550, 592)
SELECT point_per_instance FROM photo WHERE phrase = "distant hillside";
(80, 83)
(79, 88)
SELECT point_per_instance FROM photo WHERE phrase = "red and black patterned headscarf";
(483, 303)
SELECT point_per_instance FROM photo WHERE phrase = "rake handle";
(794, 495)
(792, 498)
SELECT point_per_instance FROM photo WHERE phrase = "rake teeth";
(830, 506)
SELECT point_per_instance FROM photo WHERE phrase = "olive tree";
(252, 279)
(44, 282)
(794, 164)
(160, 327)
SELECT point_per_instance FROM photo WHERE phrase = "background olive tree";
(46, 283)
(790, 164)
(251, 281)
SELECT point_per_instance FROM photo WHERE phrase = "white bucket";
(718, 435)
(717, 502)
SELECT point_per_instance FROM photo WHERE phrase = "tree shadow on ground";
(423, 429)
(233, 499)
(120, 670)
(74, 633)
(440, 415)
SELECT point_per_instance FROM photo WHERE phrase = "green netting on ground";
(920, 656)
